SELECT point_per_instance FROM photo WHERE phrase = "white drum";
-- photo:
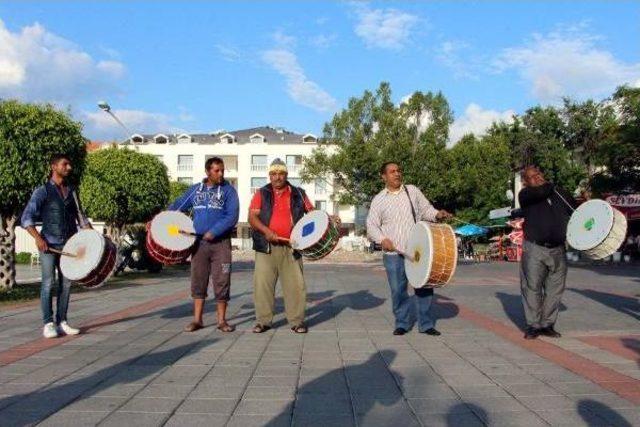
(315, 235)
(596, 229)
(170, 237)
(93, 258)
(434, 255)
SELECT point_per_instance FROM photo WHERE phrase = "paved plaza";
(133, 365)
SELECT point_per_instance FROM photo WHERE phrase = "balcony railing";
(294, 168)
(258, 168)
(185, 168)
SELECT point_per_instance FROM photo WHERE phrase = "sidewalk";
(134, 366)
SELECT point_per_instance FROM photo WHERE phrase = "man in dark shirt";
(546, 209)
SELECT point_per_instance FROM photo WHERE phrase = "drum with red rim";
(89, 259)
(170, 237)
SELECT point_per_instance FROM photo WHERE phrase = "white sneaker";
(64, 327)
(50, 330)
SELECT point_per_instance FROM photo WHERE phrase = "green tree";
(29, 135)
(480, 176)
(372, 130)
(123, 186)
(176, 189)
(620, 155)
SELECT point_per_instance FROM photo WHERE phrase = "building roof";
(272, 135)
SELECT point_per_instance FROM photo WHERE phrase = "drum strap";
(413, 211)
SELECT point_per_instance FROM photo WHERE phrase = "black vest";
(58, 215)
(260, 242)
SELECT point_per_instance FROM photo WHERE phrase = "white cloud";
(99, 125)
(384, 28)
(299, 87)
(323, 41)
(449, 53)
(567, 62)
(283, 40)
(37, 65)
(476, 120)
(228, 53)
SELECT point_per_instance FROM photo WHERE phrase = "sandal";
(193, 326)
(258, 329)
(300, 329)
(225, 327)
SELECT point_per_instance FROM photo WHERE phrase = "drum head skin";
(420, 248)
(590, 224)
(309, 230)
(89, 246)
(166, 227)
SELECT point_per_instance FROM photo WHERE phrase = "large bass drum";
(170, 237)
(93, 260)
(596, 229)
(432, 255)
(315, 235)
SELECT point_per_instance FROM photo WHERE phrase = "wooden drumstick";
(59, 252)
(189, 233)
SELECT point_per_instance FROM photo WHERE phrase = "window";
(161, 138)
(258, 163)
(256, 138)
(185, 179)
(294, 163)
(297, 182)
(227, 138)
(309, 138)
(185, 162)
(321, 186)
(256, 183)
(136, 138)
(321, 205)
(184, 138)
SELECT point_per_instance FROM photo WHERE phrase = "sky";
(199, 67)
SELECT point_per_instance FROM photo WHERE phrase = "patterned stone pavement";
(135, 366)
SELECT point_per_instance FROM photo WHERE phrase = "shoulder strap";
(413, 211)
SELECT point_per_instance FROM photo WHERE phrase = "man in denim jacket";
(56, 205)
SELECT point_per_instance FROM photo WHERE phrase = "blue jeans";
(405, 305)
(50, 265)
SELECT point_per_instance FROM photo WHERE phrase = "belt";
(547, 244)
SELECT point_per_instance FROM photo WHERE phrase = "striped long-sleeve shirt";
(390, 215)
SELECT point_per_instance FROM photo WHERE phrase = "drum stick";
(59, 252)
(189, 233)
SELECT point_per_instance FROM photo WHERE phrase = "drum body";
(94, 261)
(315, 235)
(596, 229)
(165, 243)
(434, 251)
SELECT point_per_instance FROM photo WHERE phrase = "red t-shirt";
(281, 221)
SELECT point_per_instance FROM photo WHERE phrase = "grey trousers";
(542, 280)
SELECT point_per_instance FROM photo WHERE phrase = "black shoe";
(399, 331)
(531, 333)
(432, 331)
(549, 332)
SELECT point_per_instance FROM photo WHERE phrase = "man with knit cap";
(274, 210)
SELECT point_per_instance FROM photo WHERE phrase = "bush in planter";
(23, 258)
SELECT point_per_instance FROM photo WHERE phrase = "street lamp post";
(104, 106)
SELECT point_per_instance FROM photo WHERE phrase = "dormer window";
(161, 138)
(310, 138)
(184, 138)
(227, 138)
(136, 138)
(256, 138)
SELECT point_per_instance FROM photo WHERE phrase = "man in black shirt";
(546, 209)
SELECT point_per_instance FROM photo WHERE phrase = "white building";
(247, 154)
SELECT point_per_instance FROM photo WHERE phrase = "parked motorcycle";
(132, 252)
